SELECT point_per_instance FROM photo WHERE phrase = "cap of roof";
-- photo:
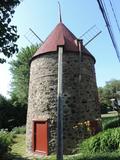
(60, 36)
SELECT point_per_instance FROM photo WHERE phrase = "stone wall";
(80, 96)
(42, 96)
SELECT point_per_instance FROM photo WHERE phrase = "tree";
(104, 96)
(108, 92)
(3, 105)
(10, 115)
(20, 75)
(8, 33)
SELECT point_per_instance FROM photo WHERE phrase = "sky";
(78, 15)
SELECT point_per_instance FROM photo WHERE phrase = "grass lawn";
(107, 118)
(97, 156)
(18, 150)
(19, 153)
(19, 146)
(110, 114)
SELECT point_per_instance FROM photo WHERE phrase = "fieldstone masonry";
(80, 96)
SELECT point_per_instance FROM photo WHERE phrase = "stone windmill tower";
(80, 94)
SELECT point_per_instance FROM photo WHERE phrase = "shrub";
(106, 141)
(103, 108)
(10, 115)
(113, 123)
(6, 140)
(19, 130)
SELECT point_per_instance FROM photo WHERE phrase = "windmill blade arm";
(93, 38)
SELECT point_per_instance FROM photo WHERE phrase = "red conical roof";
(60, 36)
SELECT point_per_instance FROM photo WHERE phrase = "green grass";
(108, 119)
(100, 156)
(110, 114)
(19, 147)
(18, 151)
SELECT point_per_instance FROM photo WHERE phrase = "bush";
(113, 123)
(10, 115)
(19, 130)
(6, 140)
(103, 108)
(106, 141)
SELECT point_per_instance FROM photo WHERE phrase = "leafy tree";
(3, 103)
(10, 115)
(113, 86)
(108, 91)
(104, 96)
(8, 33)
(20, 75)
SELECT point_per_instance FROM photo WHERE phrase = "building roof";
(60, 36)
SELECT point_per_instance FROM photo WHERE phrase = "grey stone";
(80, 97)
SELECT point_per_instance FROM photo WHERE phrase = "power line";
(114, 15)
(109, 26)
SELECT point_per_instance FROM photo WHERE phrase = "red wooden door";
(41, 137)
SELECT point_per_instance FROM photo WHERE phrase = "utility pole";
(60, 105)
(80, 43)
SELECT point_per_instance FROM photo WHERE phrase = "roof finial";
(60, 11)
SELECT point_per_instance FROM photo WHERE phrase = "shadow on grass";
(106, 157)
(14, 157)
(101, 158)
(91, 157)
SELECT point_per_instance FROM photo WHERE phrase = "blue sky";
(78, 16)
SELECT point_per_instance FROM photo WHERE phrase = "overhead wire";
(114, 15)
(109, 26)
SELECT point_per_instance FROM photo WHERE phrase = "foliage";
(108, 91)
(106, 141)
(6, 140)
(19, 147)
(19, 130)
(88, 128)
(96, 156)
(4, 111)
(20, 75)
(8, 33)
(107, 119)
(10, 116)
(113, 123)
(104, 108)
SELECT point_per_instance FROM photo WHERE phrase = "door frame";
(34, 136)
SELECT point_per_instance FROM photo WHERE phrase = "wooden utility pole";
(80, 43)
(60, 105)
